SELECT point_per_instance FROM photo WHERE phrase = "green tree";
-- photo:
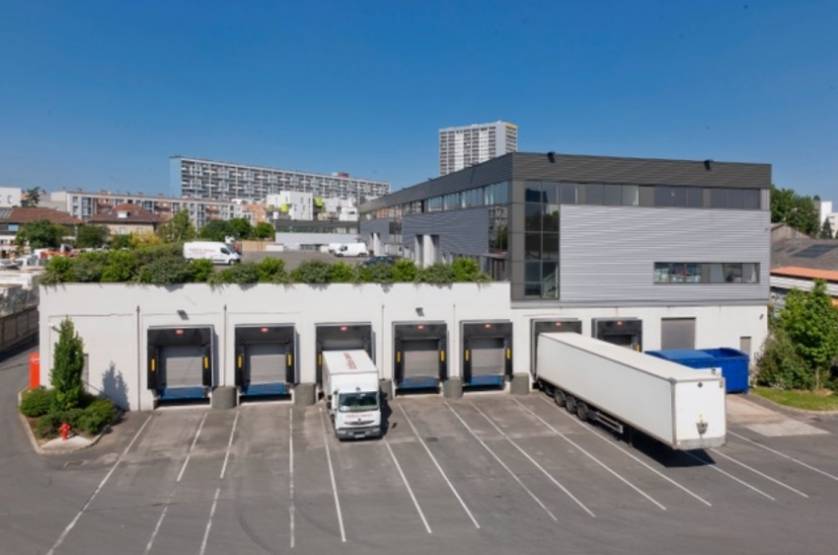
(811, 323)
(123, 241)
(341, 272)
(178, 229)
(165, 270)
(312, 271)
(264, 230)
(121, 266)
(91, 236)
(826, 231)
(799, 212)
(272, 270)
(404, 270)
(40, 234)
(240, 228)
(467, 270)
(216, 230)
(31, 197)
(67, 368)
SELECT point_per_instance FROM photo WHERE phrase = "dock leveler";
(487, 354)
(420, 360)
(265, 361)
(180, 363)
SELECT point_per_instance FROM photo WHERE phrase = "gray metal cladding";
(380, 226)
(607, 254)
(460, 231)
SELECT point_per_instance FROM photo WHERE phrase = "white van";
(216, 251)
(352, 249)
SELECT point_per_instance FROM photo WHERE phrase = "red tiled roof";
(134, 214)
(25, 215)
(806, 273)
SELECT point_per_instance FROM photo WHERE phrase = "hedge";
(165, 265)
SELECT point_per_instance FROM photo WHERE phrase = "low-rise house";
(12, 219)
(126, 219)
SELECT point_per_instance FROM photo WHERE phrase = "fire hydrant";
(64, 431)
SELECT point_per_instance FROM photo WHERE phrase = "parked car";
(374, 260)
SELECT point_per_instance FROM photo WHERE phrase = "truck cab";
(353, 394)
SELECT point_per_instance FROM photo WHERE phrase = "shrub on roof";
(311, 271)
(244, 273)
(165, 270)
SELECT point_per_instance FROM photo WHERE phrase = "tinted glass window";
(550, 220)
(532, 271)
(631, 195)
(567, 193)
(593, 194)
(550, 245)
(612, 195)
(532, 245)
(718, 198)
(533, 192)
(532, 217)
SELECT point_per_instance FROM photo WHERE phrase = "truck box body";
(667, 401)
(350, 383)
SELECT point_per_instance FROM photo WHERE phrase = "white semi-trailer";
(351, 387)
(679, 406)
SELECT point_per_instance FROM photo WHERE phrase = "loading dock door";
(487, 353)
(420, 358)
(538, 327)
(626, 332)
(332, 337)
(180, 362)
(264, 360)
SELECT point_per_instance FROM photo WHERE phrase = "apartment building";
(210, 179)
(464, 146)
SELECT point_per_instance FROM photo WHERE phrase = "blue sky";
(99, 94)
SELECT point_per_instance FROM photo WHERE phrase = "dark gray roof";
(586, 169)
(820, 254)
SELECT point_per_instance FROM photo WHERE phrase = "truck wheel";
(570, 404)
(582, 411)
(559, 397)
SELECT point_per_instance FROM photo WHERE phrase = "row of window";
(489, 195)
(706, 272)
(642, 195)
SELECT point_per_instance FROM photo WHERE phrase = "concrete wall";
(113, 319)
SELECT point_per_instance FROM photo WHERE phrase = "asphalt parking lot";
(490, 473)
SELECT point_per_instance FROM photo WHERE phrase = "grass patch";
(807, 400)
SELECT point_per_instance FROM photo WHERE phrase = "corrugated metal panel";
(640, 171)
(608, 253)
(459, 231)
(381, 226)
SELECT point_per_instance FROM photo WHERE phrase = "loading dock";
(549, 325)
(265, 361)
(180, 361)
(420, 361)
(347, 337)
(487, 353)
(626, 332)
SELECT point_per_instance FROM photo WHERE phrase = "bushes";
(36, 402)
(164, 265)
(47, 425)
(96, 417)
(780, 366)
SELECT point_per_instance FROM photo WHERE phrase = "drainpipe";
(139, 361)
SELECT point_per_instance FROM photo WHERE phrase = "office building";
(591, 230)
(208, 179)
(464, 146)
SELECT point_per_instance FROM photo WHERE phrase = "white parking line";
(191, 447)
(439, 468)
(332, 476)
(291, 509)
(785, 456)
(503, 464)
(98, 489)
(535, 463)
(590, 456)
(229, 446)
(758, 473)
(209, 520)
(604, 438)
(407, 485)
(715, 467)
(171, 495)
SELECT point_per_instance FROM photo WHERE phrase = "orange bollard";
(34, 370)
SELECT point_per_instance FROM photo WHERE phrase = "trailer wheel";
(559, 397)
(570, 404)
(582, 411)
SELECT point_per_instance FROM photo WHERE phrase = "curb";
(34, 442)
(756, 398)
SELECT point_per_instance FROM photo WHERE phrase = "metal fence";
(18, 329)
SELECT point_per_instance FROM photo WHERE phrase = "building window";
(451, 201)
(434, 204)
(706, 272)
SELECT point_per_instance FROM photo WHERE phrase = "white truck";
(616, 386)
(216, 251)
(352, 249)
(350, 384)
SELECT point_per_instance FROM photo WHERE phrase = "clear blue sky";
(99, 94)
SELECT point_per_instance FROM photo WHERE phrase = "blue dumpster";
(733, 363)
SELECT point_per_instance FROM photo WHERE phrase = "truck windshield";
(357, 402)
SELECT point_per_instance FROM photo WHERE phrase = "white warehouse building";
(267, 338)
